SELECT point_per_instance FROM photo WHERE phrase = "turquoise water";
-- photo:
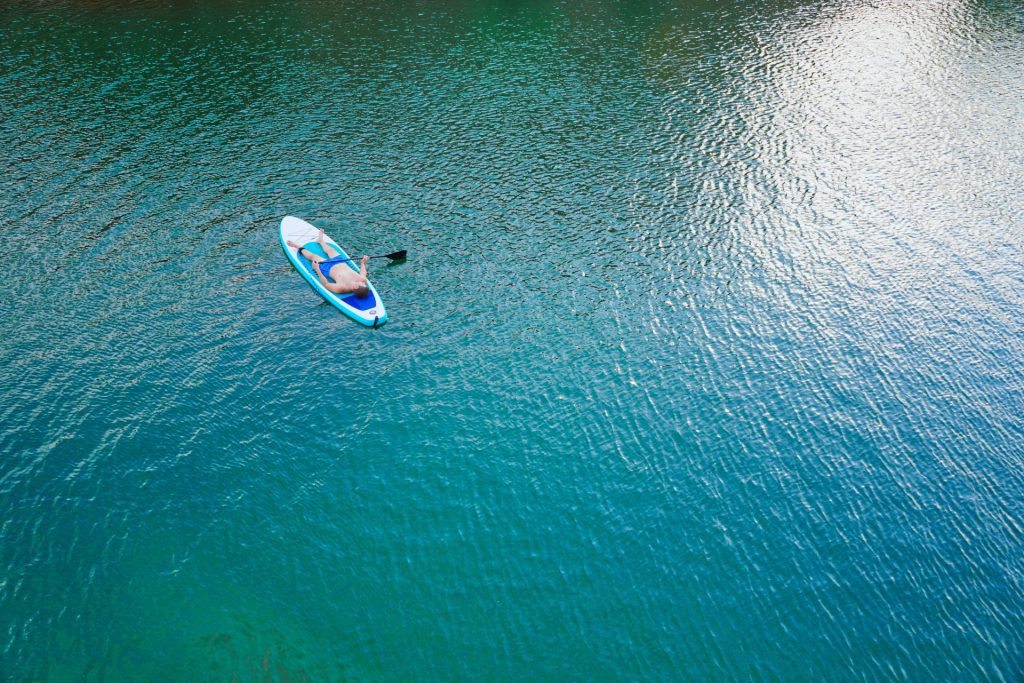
(705, 364)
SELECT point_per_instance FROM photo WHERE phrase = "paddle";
(393, 256)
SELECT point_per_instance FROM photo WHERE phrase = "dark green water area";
(706, 363)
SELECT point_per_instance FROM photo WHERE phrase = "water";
(705, 364)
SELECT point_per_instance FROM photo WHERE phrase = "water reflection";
(841, 128)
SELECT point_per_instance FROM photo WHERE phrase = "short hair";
(363, 291)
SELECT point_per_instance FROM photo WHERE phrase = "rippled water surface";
(705, 365)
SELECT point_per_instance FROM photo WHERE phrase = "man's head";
(363, 291)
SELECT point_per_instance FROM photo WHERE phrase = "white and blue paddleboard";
(368, 310)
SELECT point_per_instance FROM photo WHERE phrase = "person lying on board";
(343, 280)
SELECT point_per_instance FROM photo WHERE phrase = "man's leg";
(305, 253)
(328, 249)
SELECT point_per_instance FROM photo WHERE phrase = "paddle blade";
(396, 255)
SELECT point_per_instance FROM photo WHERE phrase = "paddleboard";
(368, 310)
